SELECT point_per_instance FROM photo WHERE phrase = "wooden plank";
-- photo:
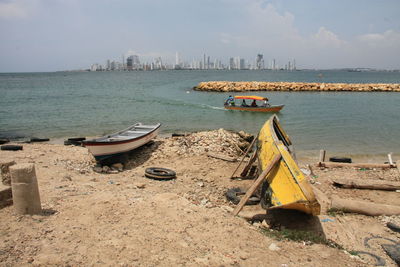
(390, 159)
(321, 156)
(249, 164)
(364, 207)
(223, 157)
(256, 184)
(245, 154)
(355, 165)
(367, 184)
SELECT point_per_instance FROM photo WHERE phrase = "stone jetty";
(226, 86)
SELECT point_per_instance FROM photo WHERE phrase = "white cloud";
(325, 37)
(387, 39)
(16, 9)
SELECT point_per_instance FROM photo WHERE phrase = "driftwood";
(256, 184)
(363, 207)
(367, 184)
(249, 164)
(354, 165)
(223, 157)
(245, 154)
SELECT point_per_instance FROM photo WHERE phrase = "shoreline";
(303, 155)
(242, 86)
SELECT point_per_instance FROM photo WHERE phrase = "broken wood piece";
(249, 164)
(245, 154)
(223, 157)
(390, 159)
(367, 184)
(321, 156)
(256, 184)
(364, 207)
(355, 165)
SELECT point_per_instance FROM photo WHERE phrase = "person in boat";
(254, 104)
(266, 104)
(244, 104)
(230, 101)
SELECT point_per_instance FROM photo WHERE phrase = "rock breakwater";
(226, 86)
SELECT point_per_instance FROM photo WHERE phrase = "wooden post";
(25, 189)
(390, 159)
(245, 154)
(321, 157)
(256, 184)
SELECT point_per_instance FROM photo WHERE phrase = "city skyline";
(133, 62)
(43, 35)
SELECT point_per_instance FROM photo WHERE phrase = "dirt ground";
(126, 219)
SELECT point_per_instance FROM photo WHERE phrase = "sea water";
(70, 104)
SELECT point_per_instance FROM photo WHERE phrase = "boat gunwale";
(94, 142)
(258, 108)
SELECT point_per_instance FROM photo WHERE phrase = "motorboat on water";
(264, 106)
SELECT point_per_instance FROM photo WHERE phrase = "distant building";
(259, 62)
(231, 63)
(133, 62)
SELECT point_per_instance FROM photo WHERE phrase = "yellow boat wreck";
(285, 186)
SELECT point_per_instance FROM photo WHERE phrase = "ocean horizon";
(70, 104)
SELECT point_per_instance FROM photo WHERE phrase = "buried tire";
(340, 159)
(160, 173)
(11, 147)
(232, 195)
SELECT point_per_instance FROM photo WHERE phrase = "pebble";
(273, 247)
(140, 185)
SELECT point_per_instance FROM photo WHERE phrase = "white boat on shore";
(121, 142)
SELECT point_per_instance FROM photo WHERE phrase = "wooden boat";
(285, 186)
(264, 107)
(123, 141)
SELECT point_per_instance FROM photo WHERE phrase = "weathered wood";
(256, 184)
(390, 159)
(310, 169)
(223, 157)
(367, 184)
(249, 164)
(321, 156)
(355, 165)
(364, 207)
(244, 155)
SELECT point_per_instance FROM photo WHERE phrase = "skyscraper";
(259, 62)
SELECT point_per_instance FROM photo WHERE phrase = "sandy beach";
(126, 219)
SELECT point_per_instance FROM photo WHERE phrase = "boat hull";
(286, 186)
(104, 150)
(256, 109)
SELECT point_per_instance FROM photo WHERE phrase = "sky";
(54, 35)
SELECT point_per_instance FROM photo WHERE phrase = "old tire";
(340, 159)
(393, 227)
(11, 147)
(76, 141)
(232, 195)
(160, 173)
